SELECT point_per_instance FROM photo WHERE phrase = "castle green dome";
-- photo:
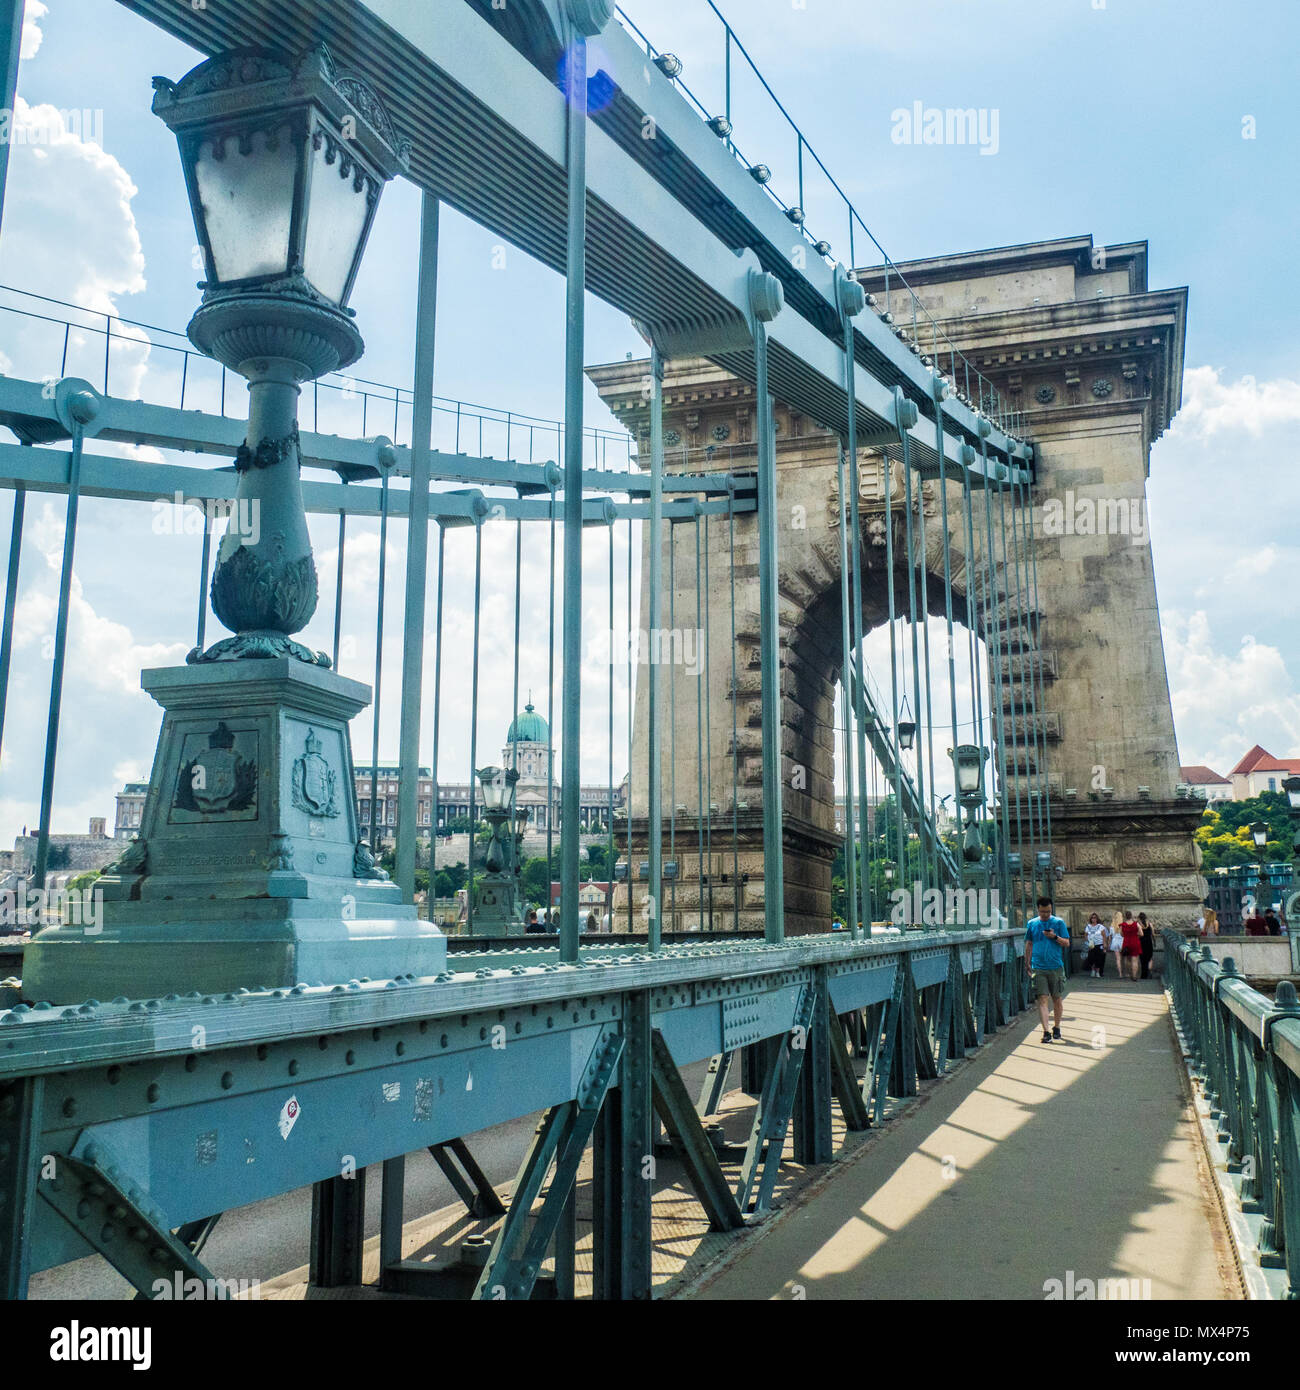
(528, 727)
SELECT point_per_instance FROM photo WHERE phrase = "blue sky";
(1123, 120)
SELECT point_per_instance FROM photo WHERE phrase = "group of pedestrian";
(1130, 939)
(1252, 923)
(1047, 946)
(1267, 925)
(550, 922)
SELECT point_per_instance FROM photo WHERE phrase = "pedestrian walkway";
(1070, 1161)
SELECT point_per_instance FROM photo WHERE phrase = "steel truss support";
(624, 1166)
(689, 1142)
(338, 1231)
(812, 1110)
(906, 1067)
(117, 1220)
(844, 1082)
(882, 1047)
(561, 1136)
(762, 1159)
(468, 1180)
(20, 1132)
(715, 1084)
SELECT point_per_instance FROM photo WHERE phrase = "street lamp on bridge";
(496, 894)
(968, 761)
(284, 161)
(249, 871)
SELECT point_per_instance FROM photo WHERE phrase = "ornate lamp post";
(284, 160)
(496, 894)
(968, 767)
(1043, 862)
(1015, 868)
(249, 870)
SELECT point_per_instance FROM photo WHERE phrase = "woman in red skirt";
(1132, 949)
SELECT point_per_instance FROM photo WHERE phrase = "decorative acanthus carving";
(1163, 854)
(1104, 887)
(1164, 887)
(268, 453)
(254, 592)
(1096, 855)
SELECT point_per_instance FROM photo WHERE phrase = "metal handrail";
(985, 396)
(382, 404)
(1244, 1051)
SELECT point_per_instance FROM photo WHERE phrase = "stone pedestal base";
(725, 891)
(1134, 854)
(247, 872)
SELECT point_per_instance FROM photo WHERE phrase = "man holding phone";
(1046, 939)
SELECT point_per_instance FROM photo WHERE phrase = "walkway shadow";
(1032, 1161)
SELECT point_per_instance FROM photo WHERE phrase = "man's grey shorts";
(1048, 982)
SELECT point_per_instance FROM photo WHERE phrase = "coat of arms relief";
(314, 781)
(219, 779)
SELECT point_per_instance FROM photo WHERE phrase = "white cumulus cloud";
(32, 35)
(1213, 406)
(1225, 702)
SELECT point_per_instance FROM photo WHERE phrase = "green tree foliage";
(1224, 833)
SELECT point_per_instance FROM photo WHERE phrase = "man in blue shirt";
(1046, 939)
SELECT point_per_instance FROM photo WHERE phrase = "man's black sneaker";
(1056, 1032)
(1047, 1037)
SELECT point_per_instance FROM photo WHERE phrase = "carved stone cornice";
(1102, 819)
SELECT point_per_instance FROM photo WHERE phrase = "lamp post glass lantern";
(1291, 786)
(249, 834)
(1259, 833)
(968, 766)
(496, 892)
(284, 161)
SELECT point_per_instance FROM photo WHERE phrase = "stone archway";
(723, 884)
(1071, 334)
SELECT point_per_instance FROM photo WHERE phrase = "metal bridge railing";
(1244, 1050)
(902, 309)
(99, 346)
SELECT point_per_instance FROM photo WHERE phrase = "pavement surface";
(1070, 1161)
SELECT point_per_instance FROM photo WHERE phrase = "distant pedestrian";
(1210, 923)
(591, 922)
(531, 924)
(1097, 936)
(1255, 925)
(1271, 922)
(1148, 945)
(1116, 943)
(1047, 938)
(1131, 949)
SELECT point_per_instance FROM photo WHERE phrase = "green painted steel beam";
(45, 1040)
(690, 1143)
(46, 470)
(27, 409)
(447, 74)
